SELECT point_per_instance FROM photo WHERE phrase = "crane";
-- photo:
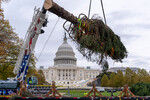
(39, 20)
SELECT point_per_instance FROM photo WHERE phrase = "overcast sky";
(130, 19)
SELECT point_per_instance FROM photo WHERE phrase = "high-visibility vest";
(30, 82)
(85, 93)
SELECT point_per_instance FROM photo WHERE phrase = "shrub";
(140, 89)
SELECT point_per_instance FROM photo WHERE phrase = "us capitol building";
(65, 70)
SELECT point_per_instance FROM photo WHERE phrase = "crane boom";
(38, 21)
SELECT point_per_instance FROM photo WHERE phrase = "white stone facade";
(123, 69)
(65, 70)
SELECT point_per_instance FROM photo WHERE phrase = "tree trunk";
(59, 11)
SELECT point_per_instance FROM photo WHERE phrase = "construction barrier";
(77, 98)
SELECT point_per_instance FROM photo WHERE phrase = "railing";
(77, 98)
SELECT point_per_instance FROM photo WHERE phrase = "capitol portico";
(65, 70)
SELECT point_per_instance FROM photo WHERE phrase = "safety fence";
(76, 98)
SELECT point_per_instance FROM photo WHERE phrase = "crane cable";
(103, 11)
(89, 8)
(48, 38)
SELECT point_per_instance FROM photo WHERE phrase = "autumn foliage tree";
(119, 79)
(104, 81)
(128, 78)
(112, 79)
(143, 76)
(9, 47)
(41, 77)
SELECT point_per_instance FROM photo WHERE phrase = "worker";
(30, 80)
(85, 93)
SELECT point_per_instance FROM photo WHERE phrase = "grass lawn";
(109, 93)
(80, 93)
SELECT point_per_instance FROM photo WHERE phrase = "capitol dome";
(65, 55)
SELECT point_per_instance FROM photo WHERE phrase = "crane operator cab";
(32, 80)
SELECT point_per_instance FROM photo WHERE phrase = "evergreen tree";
(140, 89)
(104, 66)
